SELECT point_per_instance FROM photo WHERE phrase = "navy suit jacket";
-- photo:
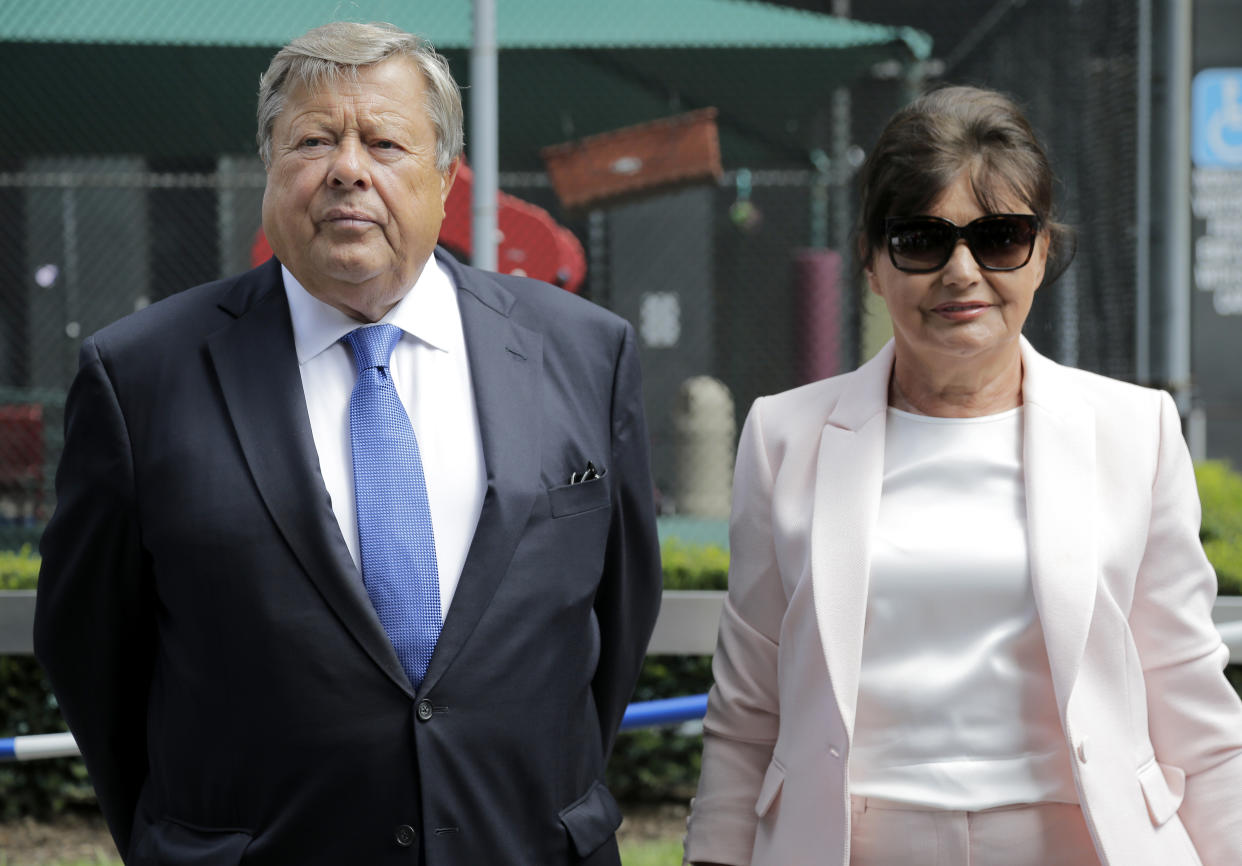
(213, 647)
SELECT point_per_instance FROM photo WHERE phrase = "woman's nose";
(961, 268)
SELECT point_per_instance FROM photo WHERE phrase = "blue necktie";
(395, 537)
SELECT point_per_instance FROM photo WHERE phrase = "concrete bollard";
(706, 435)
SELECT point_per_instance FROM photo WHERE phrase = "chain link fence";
(1074, 68)
(742, 273)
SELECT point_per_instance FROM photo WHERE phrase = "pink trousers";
(1042, 834)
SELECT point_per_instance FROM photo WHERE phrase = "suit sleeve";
(93, 629)
(1194, 716)
(628, 598)
(743, 710)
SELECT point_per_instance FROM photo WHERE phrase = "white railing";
(686, 626)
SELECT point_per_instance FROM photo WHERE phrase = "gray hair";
(328, 53)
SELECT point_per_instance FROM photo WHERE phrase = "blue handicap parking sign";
(1216, 118)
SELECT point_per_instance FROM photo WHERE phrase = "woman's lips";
(961, 311)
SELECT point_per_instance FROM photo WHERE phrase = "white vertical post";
(484, 140)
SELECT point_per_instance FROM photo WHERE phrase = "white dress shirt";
(956, 708)
(431, 372)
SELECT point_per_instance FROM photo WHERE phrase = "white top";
(432, 375)
(956, 708)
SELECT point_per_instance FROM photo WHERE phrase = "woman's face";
(960, 312)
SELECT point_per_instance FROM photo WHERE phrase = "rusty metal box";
(635, 160)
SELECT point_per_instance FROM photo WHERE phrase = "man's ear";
(447, 178)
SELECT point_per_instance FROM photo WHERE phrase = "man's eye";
(385, 144)
(312, 141)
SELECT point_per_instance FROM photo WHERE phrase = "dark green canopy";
(177, 80)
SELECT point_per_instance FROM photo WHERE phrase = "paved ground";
(652, 823)
(26, 842)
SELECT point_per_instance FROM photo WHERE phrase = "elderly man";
(354, 558)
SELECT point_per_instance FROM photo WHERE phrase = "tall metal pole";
(1142, 200)
(840, 208)
(1177, 267)
(484, 139)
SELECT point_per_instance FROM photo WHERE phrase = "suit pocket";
(770, 790)
(1163, 788)
(170, 842)
(592, 819)
(570, 499)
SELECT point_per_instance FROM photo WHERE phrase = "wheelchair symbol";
(1217, 123)
(1225, 125)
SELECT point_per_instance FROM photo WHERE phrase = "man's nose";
(349, 167)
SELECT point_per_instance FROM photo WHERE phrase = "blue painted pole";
(38, 746)
(642, 714)
(664, 712)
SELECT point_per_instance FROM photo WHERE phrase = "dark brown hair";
(927, 144)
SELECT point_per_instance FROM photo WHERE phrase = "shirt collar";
(427, 312)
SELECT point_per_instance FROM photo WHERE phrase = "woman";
(968, 617)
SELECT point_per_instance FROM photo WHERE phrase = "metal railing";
(641, 714)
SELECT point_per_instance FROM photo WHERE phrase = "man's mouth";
(344, 216)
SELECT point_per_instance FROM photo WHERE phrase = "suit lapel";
(256, 364)
(848, 481)
(506, 363)
(1059, 467)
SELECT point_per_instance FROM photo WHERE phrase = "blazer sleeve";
(94, 624)
(743, 708)
(1194, 716)
(628, 599)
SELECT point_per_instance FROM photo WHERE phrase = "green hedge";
(687, 567)
(37, 789)
(27, 706)
(1220, 491)
(19, 569)
(651, 764)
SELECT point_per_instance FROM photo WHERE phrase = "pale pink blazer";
(1124, 595)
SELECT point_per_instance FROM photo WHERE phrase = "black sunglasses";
(999, 242)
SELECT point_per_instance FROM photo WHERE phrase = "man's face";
(354, 202)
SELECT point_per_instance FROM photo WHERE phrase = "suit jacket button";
(405, 835)
(424, 710)
(1082, 750)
